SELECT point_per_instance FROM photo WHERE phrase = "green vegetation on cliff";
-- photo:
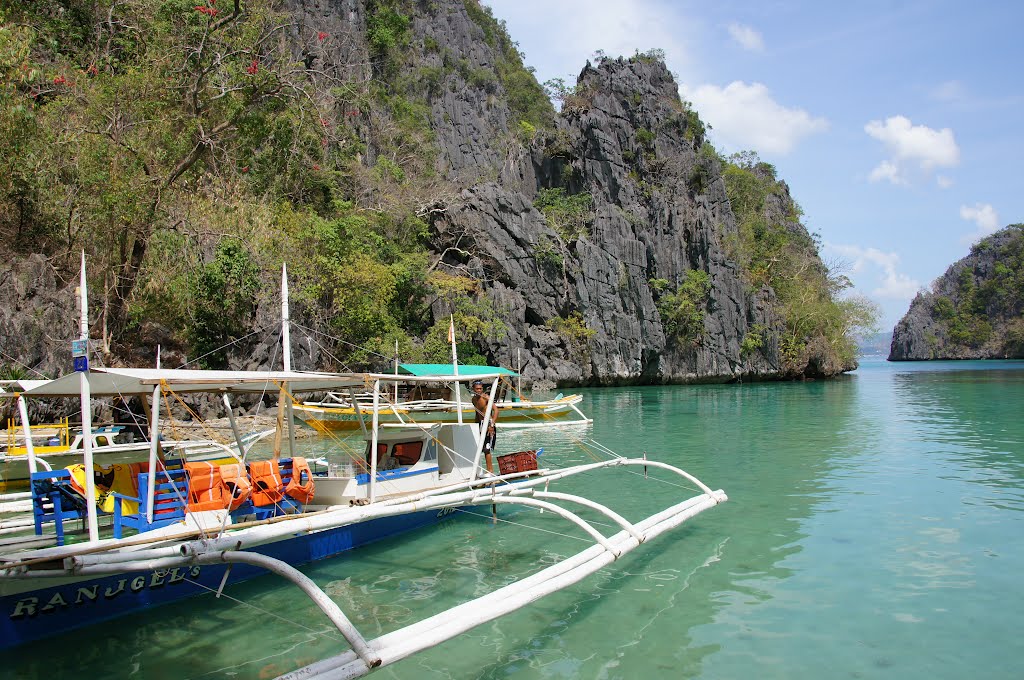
(526, 97)
(682, 311)
(978, 306)
(184, 147)
(774, 249)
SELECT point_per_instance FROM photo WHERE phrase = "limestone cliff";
(624, 142)
(973, 311)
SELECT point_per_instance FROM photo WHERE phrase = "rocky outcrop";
(38, 320)
(973, 311)
(659, 211)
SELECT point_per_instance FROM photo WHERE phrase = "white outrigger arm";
(530, 489)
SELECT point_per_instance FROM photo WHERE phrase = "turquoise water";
(873, 531)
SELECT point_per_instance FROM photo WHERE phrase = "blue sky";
(897, 125)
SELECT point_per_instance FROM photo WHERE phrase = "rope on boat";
(527, 526)
(311, 589)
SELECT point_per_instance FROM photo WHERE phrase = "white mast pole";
(286, 339)
(455, 366)
(481, 434)
(154, 443)
(86, 397)
(30, 450)
(519, 370)
(373, 440)
(395, 405)
(234, 426)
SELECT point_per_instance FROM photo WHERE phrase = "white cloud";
(944, 182)
(571, 31)
(880, 268)
(746, 37)
(746, 117)
(984, 216)
(886, 170)
(911, 148)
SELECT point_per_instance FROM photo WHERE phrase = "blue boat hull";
(53, 609)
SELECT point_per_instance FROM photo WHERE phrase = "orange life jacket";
(267, 485)
(206, 489)
(237, 483)
(301, 486)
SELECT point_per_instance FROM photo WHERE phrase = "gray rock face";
(649, 221)
(38, 321)
(39, 318)
(951, 321)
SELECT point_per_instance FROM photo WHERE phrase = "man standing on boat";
(481, 402)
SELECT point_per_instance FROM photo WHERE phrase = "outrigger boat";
(434, 402)
(190, 534)
(202, 528)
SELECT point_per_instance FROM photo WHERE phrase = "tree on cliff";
(132, 110)
(157, 134)
(775, 250)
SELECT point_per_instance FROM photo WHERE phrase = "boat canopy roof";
(110, 382)
(11, 388)
(446, 370)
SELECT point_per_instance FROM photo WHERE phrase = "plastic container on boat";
(520, 461)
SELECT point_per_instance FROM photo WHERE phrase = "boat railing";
(16, 433)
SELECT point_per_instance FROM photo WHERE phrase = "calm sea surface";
(875, 529)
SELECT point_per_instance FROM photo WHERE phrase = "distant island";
(974, 311)
(875, 344)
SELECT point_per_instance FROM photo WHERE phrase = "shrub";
(574, 331)
(547, 255)
(567, 215)
(682, 312)
(753, 340)
(224, 301)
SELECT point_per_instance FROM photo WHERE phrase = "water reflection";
(969, 422)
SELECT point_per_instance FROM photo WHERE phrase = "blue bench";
(170, 500)
(53, 500)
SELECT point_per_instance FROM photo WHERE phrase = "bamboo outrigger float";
(436, 468)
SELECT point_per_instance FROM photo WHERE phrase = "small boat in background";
(435, 402)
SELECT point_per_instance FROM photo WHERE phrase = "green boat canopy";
(446, 369)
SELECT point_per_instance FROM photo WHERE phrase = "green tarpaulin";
(446, 369)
